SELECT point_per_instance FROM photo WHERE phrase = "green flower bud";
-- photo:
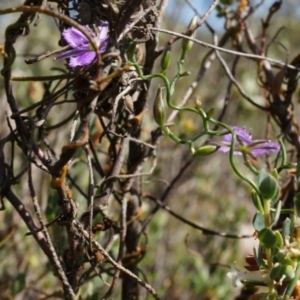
(282, 272)
(284, 259)
(185, 73)
(159, 109)
(187, 44)
(166, 59)
(206, 150)
(198, 104)
(288, 272)
(268, 187)
(210, 113)
(279, 242)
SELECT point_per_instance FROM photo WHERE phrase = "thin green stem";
(249, 165)
(284, 157)
(267, 209)
(169, 90)
(269, 256)
(169, 87)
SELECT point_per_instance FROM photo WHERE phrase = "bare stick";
(247, 55)
(113, 262)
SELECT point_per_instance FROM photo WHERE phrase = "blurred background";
(181, 262)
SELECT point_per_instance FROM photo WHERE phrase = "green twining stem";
(206, 120)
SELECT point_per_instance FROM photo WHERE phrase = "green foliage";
(258, 221)
(267, 238)
(269, 187)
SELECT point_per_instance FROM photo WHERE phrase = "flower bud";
(198, 104)
(210, 113)
(283, 258)
(288, 272)
(268, 187)
(187, 44)
(159, 109)
(206, 150)
(166, 59)
(185, 73)
(282, 272)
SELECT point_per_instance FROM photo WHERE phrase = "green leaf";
(278, 271)
(269, 188)
(256, 201)
(279, 239)
(258, 221)
(286, 228)
(258, 258)
(277, 213)
(288, 272)
(275, 199)
(261, 176)
(267, 238)
(283, 258)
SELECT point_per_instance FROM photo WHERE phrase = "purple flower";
(82, 52)
(245, 144)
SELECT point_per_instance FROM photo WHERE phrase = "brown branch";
(204, 230)
(113, 262)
